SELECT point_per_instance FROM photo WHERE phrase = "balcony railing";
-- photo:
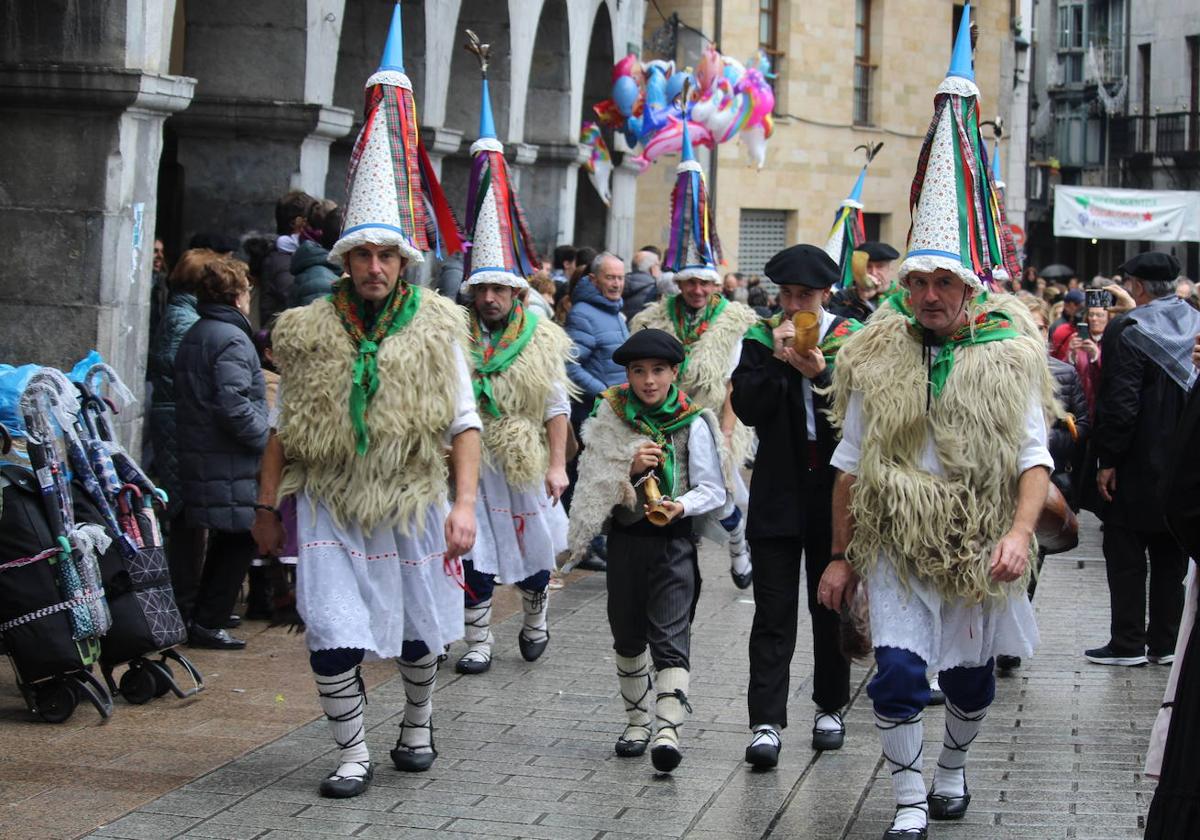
(1163, 135)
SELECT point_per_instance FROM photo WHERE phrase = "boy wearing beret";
(643, 433)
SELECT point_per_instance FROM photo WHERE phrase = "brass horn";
(656, 513)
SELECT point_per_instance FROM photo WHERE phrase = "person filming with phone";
(1078, 344)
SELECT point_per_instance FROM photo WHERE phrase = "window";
(863, 69)
(761, 235)
(768, 41)
(1193, 58)
(1077, 136)
(1072, 44)
(872, 225)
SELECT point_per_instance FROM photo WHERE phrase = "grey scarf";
(1165, 330)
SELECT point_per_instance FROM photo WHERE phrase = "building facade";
(1115, 103)
(127, 120)
(848, 74)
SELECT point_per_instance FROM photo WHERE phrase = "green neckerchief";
(497, 352)
(762, 332)
(688, 330)
(987, 326)
(675, 413)
(396, 311)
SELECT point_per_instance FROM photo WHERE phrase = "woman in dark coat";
(185, 544)
(221, 426)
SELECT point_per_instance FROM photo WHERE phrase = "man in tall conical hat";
(374, 387)
(940, 525)
(870, 268)
(520, 377)
(848, 231)
(709, 326)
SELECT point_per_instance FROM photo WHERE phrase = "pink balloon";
(670, 141)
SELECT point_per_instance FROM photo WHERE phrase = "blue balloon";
(625, 94)
(675, 85)
(633, 131)
(656, 87)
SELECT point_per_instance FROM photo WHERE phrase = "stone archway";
(591, 216)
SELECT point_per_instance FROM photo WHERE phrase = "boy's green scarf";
(497, 353)
(675, 413)
(357, 318)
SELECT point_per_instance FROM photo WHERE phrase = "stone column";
(623, 209)
(77, 209)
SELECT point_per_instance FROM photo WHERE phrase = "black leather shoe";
(626, 748)
(530, 651)
(202, 637)
(948, 807)
(593, 563)
(665, 758)
(472, 666)
(906, 834)
(763, 751)
(345, 787)
(1004, 662)
(407, 761)
(742, 581)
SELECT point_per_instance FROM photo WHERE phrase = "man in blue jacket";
(597, 328)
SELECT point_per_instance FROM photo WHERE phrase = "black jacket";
(641, 290)
(785, 494)
(1183, 478)
(221, 419)
(1066, 451)
(847, 304)
(1138, 408)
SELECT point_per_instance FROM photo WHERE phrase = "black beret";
(649, 344)
(803, 265)
(879, 251)
(1152, 265)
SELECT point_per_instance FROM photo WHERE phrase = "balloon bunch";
(727, 99)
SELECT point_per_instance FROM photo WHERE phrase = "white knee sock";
(477, 632)
(633, 674)
(343, 699)
(739, 549)
(671, 706)
(420, 676)
(535, 605)
(901, 741)
(950, 775)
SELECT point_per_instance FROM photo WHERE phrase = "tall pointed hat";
(694, 249)
(501, 246)
(958, 221)
(848, 231)
(392, 194)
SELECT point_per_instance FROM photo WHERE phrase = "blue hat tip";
(856, 193)
(393, 48)
(686, 151)
(961, 63)
(487, 125)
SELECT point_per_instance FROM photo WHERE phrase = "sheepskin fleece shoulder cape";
(707, 372)
(515, 442)
(603, 483)
(405, 469)
(941, 529)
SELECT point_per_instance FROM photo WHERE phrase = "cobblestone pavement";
(526, 750)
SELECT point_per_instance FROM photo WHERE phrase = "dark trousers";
(1125, 553)
(900, 689)
(579, 412)
(481, 585)
(228, 558)
(653, 584)
(185, 555)
(773, 633)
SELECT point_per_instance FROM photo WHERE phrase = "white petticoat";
(375, 591)
(518, 533)
(947, 634)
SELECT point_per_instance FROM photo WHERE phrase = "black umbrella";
(1056, 271)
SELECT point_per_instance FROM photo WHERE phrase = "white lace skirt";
(375, 591)
(519, 532)
(947, 634)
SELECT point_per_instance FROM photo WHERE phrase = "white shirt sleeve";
(1035, 451)
(735, 357)
(466, 415)
(707, 490)
(845, 457)
(557, 402)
